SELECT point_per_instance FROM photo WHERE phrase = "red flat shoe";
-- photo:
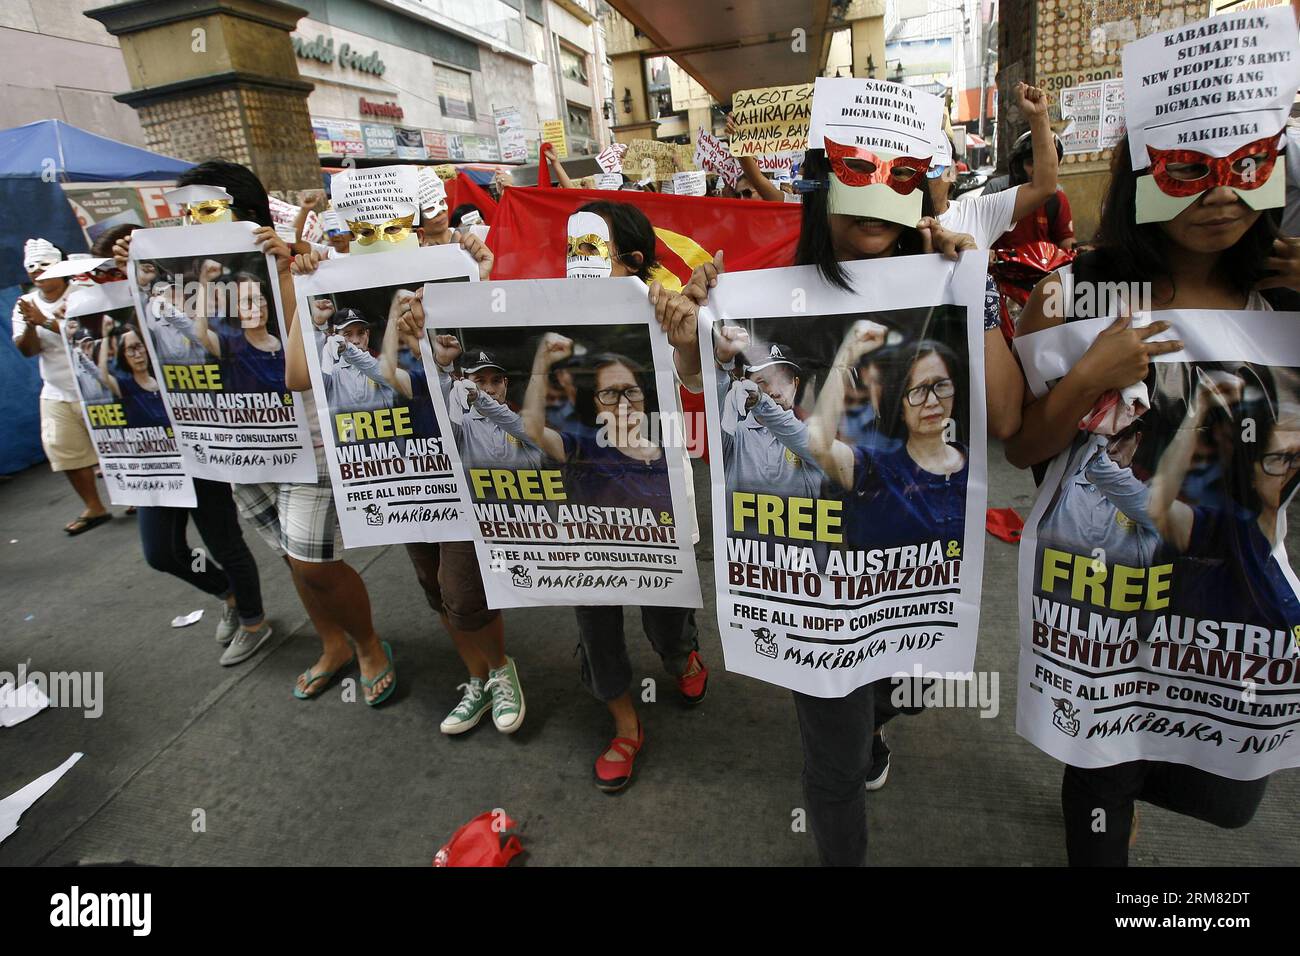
(694, 687)
(614, 775)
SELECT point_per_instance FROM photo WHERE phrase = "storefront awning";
(730, 45)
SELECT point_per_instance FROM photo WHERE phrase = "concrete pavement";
(324, 782)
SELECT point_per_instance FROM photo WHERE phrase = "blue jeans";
(836, 734)
(229, 567)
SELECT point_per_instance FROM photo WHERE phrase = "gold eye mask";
(394, 230)
(577, 242)
(207, 210)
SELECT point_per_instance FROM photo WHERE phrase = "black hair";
(630, 230)
(1131, 252)
(250, 202)
(894, 385)
(459, 212)
(815, 247)
(102, 248)
(584, 383)
(119, 354)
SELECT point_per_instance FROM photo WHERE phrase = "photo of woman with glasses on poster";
(901, 468)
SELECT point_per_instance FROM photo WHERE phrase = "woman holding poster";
(865, 198)
(620, 466)
(1189, 229)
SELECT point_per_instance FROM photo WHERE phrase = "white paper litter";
(187, 619)
(15, 805)
(20, 703)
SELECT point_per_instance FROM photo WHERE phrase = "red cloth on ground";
(478, 843)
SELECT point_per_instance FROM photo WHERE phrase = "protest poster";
(120, 401)
(510, 135)
(564, 412)
(649, 159)
(208, 302)
(1228, 81)
(285, 214)
(610, 159)
(849, 495)
(553, 133)
(691, 183)
(771, 120)
(712, 154)
(392, 478)
(779, 164)
(1211, 99)
(1158, 608)
(101, 206)
(377, 204)
(612, 181)
(853, 111)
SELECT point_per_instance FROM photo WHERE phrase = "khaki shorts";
(64, 436)
(452, 581)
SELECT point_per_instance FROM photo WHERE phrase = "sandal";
(367, 684)
(614, 775)
(326, 676)
(84, 523)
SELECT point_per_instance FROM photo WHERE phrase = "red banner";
(529, 237)
(463, 190)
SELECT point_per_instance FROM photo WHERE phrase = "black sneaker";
(879, 763)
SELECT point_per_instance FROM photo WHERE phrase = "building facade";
(441, 79)
(437, 80)
(62, 65)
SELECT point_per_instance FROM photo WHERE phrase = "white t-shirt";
(56, 371)
(984, 217)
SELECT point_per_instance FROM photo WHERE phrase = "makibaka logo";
(77, 909)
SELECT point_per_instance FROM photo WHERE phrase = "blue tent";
(34, 159)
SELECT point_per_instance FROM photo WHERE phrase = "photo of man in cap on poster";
(354, 383)
(488, 432)
(761, 435)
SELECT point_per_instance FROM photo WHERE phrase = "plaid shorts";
(293, 519)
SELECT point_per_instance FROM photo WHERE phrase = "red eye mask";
(882, 169)
(1211, 172)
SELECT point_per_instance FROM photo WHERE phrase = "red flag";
(529, 237)
(463, 190)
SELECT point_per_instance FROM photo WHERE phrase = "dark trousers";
(836, 734)
(227, 568)
(606, 668)
(1092, 839)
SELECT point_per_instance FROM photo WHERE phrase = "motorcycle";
(1018, 269)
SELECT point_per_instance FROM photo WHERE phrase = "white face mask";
(588, 248)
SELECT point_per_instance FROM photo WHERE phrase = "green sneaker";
(507, 697)
(466, 715)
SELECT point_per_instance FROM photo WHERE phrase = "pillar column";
(218, 78)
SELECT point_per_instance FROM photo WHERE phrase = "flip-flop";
(84, 523)
(326, 676)
(388, 652)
